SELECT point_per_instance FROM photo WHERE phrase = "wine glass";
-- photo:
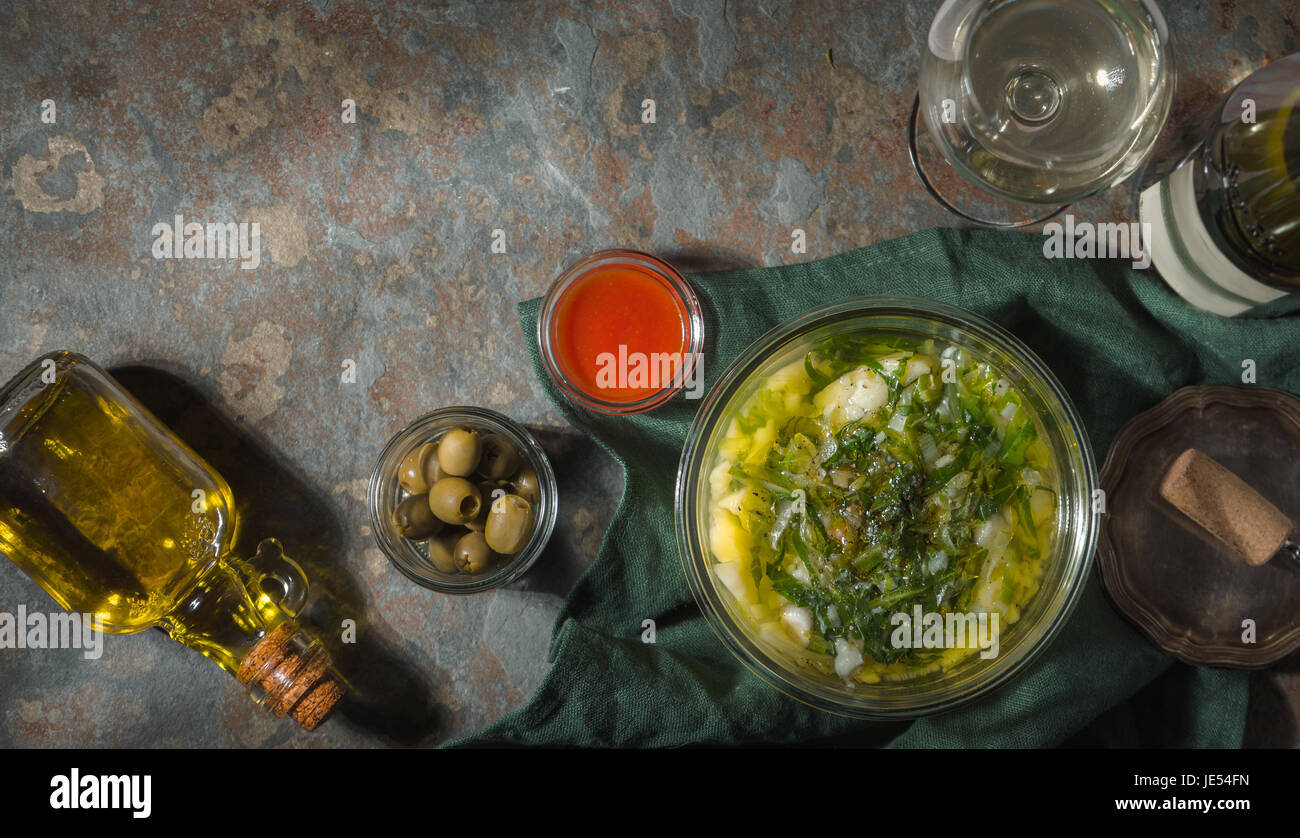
(1038, 103)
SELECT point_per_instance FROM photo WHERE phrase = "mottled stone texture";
(518, 116)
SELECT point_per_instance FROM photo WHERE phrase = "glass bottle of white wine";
(1226, 224)
(1251, 176)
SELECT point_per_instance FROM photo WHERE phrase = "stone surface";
(523, 117)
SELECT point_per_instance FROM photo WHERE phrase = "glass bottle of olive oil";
(119, 520)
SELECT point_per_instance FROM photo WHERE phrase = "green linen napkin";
(1117, 338)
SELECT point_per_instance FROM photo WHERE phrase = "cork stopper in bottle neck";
(291, 673)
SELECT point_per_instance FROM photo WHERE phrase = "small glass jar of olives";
(462, 500)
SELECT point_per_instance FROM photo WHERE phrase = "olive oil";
(102, 515)
(115, 517)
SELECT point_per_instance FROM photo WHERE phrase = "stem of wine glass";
(1033, 96)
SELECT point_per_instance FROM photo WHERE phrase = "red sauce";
(613, 306)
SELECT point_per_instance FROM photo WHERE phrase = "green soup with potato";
(880, 475)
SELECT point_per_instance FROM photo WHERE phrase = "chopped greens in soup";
(880, 475)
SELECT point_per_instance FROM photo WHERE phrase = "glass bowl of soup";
(885, 507)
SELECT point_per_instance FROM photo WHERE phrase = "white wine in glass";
(1045, 102)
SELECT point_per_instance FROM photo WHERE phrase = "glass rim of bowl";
(693, 323)
(399, 551)
(1077, 526)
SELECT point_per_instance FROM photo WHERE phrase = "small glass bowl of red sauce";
(620, 331)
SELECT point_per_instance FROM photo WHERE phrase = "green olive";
(459, 451)
(525, 484)
(419, 469)
(455, 500)
(500, 458)
(485, 490)
(472, 553)
(442, 552)
(509, 524)
(414, 520)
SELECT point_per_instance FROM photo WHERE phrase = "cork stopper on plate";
(1229, 509)
(294, 673)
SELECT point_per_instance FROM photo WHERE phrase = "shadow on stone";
(700, 259)
(590, 485)
(387, 696)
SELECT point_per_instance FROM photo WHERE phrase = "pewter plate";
(1174, 581)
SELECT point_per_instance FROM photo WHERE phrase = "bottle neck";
(240, 614)
(221, 618)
